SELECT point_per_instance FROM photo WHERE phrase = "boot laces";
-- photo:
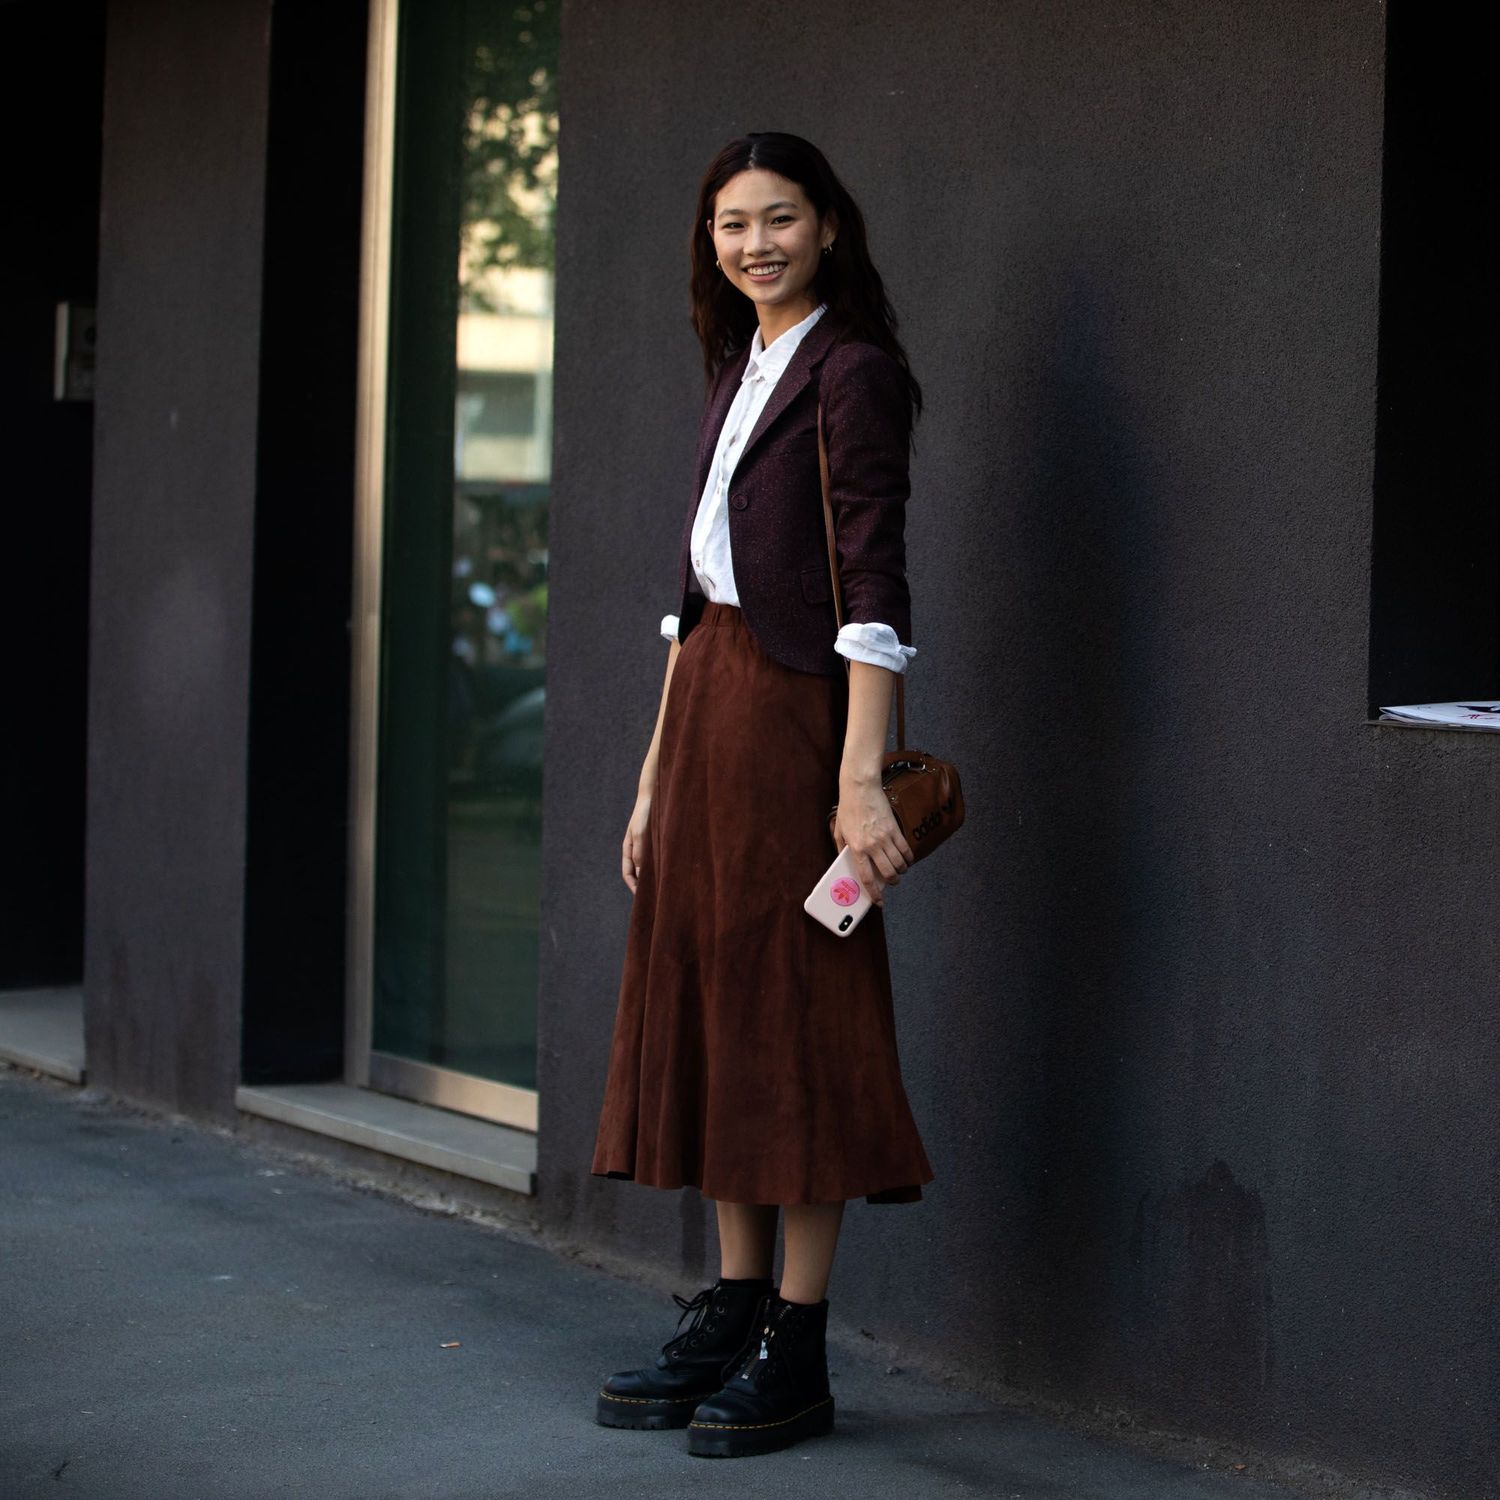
(698, 1307)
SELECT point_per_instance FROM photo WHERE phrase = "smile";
(768, 272)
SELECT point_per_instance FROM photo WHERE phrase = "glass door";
(458, 406)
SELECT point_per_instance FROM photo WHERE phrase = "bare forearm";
(870, 689)
(866, 824)
(648, 768)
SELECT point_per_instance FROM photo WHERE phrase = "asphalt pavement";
(186, 1315)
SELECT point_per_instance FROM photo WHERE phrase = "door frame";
(363, 1067)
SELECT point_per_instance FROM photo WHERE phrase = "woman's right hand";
(633, 848)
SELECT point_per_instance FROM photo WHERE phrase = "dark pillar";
(185, 105)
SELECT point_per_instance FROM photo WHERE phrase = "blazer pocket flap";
(817, 587)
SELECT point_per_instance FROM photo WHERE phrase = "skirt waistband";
(721, 614)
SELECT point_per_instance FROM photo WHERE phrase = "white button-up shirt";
(858, 640)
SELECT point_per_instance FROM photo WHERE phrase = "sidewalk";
(185, 1317)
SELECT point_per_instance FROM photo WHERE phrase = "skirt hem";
(904, 1192)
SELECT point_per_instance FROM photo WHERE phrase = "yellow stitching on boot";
(650, 1400)
(756, 1426)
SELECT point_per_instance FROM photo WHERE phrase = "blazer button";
(739, 502)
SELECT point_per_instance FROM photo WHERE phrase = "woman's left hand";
(867, 825)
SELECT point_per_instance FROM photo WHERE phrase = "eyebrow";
(781, 203)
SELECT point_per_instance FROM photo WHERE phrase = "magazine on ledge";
(1478, 714)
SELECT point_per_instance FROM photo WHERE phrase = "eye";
(782, 216)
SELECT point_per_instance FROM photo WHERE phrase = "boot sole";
(728, 1440)
(644, 1415)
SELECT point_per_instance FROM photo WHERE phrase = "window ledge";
(1433, 728)
(419, 1133)
(43, 1030)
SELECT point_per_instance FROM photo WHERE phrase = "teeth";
(765, 270)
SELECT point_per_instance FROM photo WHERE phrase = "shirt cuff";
(877, 644)
(669, 625)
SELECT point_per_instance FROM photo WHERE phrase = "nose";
(761, 242)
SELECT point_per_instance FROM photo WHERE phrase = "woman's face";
(763, 220)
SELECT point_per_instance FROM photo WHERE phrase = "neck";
(775, 320)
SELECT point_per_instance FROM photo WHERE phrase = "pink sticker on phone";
(845, 892)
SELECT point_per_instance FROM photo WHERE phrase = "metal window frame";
(444, 1087)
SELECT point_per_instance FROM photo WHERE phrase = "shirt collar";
(771, 362)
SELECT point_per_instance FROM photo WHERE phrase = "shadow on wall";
(1161, 1295)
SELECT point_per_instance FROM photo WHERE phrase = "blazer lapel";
(815, 344)
(723, 399)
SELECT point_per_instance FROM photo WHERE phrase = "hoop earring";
(828, 248)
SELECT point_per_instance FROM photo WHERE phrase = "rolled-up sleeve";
(669, 624)
(875, 643)
(867, 426)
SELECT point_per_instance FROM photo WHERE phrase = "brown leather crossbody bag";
(924, 791)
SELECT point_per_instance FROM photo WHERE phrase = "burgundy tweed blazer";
(775, 509)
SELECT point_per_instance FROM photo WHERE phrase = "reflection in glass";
(464, 597)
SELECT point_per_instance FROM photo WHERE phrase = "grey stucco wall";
(169, 676)
(1196, 1012)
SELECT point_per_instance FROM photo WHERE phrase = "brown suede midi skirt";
(754, 1053)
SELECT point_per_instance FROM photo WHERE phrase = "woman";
(754, 1052)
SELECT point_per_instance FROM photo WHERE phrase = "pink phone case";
(839, 899)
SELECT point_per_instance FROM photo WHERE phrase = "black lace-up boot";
(777, 1393)
(691, 1364)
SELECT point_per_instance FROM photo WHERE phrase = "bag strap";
(833, 573)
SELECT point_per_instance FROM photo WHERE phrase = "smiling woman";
(771, 244)
(754, 1053)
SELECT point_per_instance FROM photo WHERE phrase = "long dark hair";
(724, 319)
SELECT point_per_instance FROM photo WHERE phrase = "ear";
(831, 226)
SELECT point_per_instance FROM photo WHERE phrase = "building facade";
(335, 571)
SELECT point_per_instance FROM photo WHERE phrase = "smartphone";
(839, 899)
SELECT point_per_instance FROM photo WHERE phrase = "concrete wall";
(1196, 1014)
(169, 675)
